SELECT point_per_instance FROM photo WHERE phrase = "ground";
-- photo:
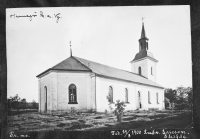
(34, 121)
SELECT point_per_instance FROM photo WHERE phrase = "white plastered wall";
(57, 84)
(153, 98)
(143, 64)
(92, 92)
(83, 82)
(153, 65)
(44, 81)
(102, 89)
(146, 65)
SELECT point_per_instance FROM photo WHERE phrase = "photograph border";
(195, 34)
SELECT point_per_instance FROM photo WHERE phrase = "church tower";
(144, 63)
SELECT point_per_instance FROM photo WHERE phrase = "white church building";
(85, 85)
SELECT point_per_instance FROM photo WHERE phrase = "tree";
(23, 103)
(185, 97)
(14, 101)
(171, 94)
(34, 104)
(182, 97)
(109, 98)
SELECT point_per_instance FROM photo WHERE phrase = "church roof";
(78, 64)
(70, 64)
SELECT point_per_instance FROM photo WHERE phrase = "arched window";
(110, 94)
(151, 70)
(72, 94)
(149, 98)
(45, 94)
(139, 100)
(140, 71)
(126, 95)
(157, 98)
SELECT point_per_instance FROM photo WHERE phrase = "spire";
(70, 49)
(143, 41)
(143, 35)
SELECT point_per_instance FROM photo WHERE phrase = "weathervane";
(70, 48)
(142, 19)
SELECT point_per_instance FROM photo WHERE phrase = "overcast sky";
(107, 35)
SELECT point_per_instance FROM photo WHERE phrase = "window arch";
(140, 70)
(126, 95)
(149, 98)
(110, 94)
(72, 94)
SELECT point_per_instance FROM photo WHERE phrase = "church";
(84, 85)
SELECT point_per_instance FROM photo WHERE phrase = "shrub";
(119, 110)
(109, 98)
(72, 110)
(182, 106)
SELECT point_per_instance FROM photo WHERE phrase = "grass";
(21, 111)
(34, 121)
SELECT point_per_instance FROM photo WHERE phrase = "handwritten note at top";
(40, 14)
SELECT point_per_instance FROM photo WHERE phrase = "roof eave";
(144, 58)
(43, 73)
(62, 70)
(129, 81)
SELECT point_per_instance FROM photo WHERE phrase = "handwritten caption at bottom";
(167, 134)
(13, 135)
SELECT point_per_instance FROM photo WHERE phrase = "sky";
(107, 35)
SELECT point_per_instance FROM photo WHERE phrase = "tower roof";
(143, 54)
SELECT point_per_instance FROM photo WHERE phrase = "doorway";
(45, 98)
(139, 100)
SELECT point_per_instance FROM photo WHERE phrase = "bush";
(181, 106)
(119, 110)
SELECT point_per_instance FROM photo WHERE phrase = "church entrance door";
(45, 94)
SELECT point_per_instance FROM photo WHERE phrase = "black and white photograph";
(99, 69)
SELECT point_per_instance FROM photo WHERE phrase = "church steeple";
(143, 41)
(144, 63)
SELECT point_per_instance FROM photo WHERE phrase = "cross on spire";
(70, 48)
(142, 19)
